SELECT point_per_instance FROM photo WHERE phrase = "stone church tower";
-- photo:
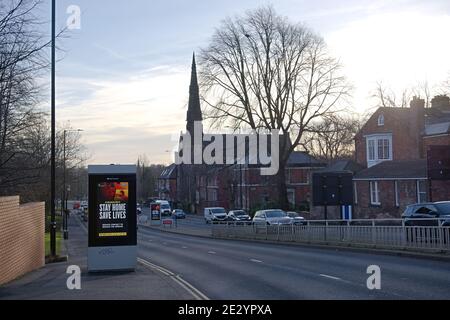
(188, 173)
(194, 112)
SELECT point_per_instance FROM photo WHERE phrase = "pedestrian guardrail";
(416, 234)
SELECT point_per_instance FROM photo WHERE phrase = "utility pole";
(53, 165)
(64, 200)
(64, 204)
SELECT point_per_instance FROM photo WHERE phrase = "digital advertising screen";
(113, 207)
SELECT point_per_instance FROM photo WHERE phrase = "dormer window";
(381, 120)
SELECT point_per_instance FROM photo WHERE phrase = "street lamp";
(241, 187)
(64, 200)
(52, 160)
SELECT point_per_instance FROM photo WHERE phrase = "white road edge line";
(255, 260)
(197, 294)
(330, 277)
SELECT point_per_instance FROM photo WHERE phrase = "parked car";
(419, 214)
(272, 217)
(215, 214)
(298, 219)
(178, 214)
(239, 216)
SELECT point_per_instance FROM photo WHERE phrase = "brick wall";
(440, 190)
(441, 140)
(22, 230)
(407, 194)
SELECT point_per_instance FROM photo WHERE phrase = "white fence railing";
(429, 235)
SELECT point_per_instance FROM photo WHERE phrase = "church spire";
(194, 113)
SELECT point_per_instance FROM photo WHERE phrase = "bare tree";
(21, 60)
(24, 130)
(332, 137)
(384, 96)
(263, 72)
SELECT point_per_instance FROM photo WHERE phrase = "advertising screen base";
(121, 258)
(112, 218)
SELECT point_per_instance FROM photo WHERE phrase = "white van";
(164, 207)
(215, 214)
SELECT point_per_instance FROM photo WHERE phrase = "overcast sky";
(124, 76)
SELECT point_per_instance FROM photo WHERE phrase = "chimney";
(417, 117)
(417, 104)
(441, 102)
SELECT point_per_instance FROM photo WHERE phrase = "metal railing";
(423, 235)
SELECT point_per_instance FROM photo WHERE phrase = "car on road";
(215, 214)
(164, 207)
(298, 219)
(427, 214)
(272, 217)
(239, 216)
(178, 214)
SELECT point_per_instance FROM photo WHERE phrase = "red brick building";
(392, 146)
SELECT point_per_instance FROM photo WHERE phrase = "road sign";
(112, 217)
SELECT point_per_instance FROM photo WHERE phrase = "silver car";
(272, 217)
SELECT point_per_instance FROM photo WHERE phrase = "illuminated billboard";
(112, 217)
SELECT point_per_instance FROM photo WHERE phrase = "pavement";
(49, 282)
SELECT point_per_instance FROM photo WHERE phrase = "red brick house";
(167, 183)
(392, 146)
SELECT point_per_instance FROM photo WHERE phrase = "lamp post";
(64, 200)
(52, 160)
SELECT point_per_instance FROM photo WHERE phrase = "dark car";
(239, 216)
(178, 214)
(426, 214)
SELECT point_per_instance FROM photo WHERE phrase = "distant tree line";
(147, 178)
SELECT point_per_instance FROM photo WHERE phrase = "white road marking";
(255, 260)
(197, 294)
(330, 277)
(211, 252)
(183, 247)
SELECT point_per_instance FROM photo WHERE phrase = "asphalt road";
(228, 269)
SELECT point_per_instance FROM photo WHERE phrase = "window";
(421, 191)
(212, 194)
(374, 193)
(291, 197)
(379, 148)
(383, 149)
(371, 147)
(381, 120)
